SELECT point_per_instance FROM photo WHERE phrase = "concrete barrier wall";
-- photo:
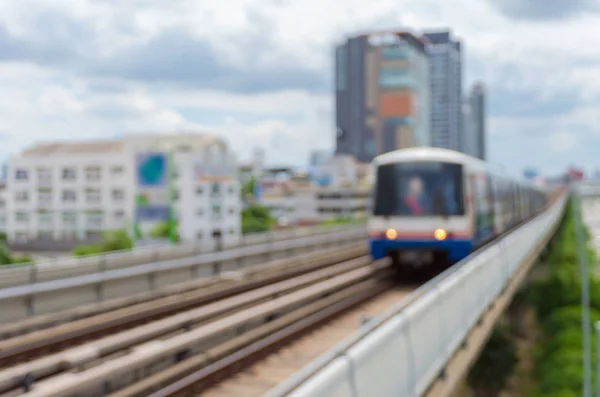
(68, 292)
(16, 275)
(403, 353)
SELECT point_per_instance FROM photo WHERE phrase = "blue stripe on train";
(457, 249)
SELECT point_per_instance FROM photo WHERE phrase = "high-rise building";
(445, 62)
(468, 129)
(382, 94)
(477, 118)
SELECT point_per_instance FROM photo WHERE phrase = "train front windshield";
(419, 189)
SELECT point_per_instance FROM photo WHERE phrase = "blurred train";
(436, 206)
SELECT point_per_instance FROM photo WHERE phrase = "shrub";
(84, 250)
(115, 240)
(562, 375)
(495, 364)
(566, 318)
(21, 259)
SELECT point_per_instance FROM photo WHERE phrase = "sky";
(260, 72)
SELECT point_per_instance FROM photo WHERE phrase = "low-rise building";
(76, 190)
(297, 203)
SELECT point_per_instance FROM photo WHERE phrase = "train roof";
(443, 155)
(428, 153)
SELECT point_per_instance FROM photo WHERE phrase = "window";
(21, 175)
(22, 217)
(175, 195)
(22, 196)
(199, 213)
(92, 195)
(419, 189)
(395, 77)
(119, 215)
(216, 189)
(116, 170)
(45, 197)
(199, 235)
(231, 190)
(231, 211)
(45, 235)
(69, 174)
(22, 236)
(94, 220)
(216, 210)
(45, 220)
(69, 195)
(199, 190)
(118, 194)
(69, 218)
(93, 174)
(44, 175)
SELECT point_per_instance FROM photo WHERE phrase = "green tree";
(557, 302)
(5, 255)
(256, 219)
(248, 189)
(161, 231)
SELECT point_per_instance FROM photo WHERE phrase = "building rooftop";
(70, 147)
(195, 137)
(417, 41)
(169, 141)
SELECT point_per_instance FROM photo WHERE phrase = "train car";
(436, 206)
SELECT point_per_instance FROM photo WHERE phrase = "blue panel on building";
(152, 213)
(399, 121)
(391, 53)
(396, 78)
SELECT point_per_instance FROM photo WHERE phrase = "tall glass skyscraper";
(445, 60)
(382, 94)
(477, 118)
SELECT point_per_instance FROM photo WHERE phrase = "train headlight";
(391, 234)
(440, 234)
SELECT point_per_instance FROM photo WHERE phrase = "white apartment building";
(75, 190)
(2, 208)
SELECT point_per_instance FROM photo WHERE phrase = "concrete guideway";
(23, 274)
(51, 296)
(424, 348)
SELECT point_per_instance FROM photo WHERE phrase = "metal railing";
(28, 273)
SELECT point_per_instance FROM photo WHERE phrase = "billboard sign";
(153, 193)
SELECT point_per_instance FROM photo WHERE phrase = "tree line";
(556, 301)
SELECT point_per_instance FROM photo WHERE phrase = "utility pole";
(585, 293)
(597, 358)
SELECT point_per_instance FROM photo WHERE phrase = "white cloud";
(528, 65)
